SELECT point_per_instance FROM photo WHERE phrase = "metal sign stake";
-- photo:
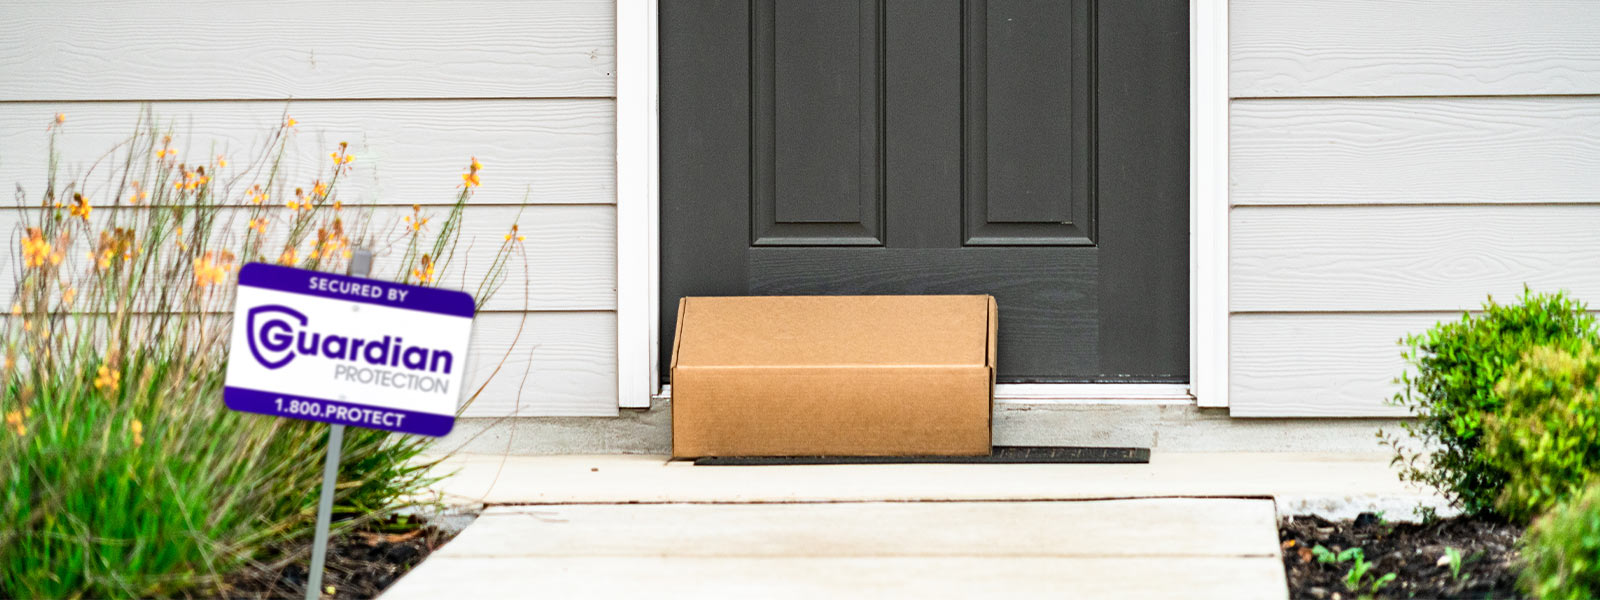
(360, 266)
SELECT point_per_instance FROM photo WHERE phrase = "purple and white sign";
(347, 350)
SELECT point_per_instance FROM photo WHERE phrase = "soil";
(1417, 554)
(361, 563)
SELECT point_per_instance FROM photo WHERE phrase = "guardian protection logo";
(278, 334)
(285, 337)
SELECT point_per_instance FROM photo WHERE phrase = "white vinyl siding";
(1379, 48)
(1393, 163)
(416, 89)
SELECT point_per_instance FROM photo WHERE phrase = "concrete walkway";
(1159, 548)
(1185, 525)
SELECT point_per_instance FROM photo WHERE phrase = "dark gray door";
(1036, 150)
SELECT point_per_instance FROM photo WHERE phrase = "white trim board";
(1208, 201)
(639, 209)
(638, 202)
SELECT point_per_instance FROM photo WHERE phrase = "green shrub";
(1547, 437)
(1561, 551)
(122, 474)
(1450, 387)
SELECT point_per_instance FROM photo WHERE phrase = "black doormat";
(1002, 455)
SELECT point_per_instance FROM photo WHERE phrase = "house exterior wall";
(526, 87)
(1392, 164)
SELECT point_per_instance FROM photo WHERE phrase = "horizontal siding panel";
(1282, 48)
(1408, 258)
(192, 49)
(407, 152)
(1416, 150)
(1319, 365)
(571, 251)
(569, 360)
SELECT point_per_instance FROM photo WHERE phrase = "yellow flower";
(287, 258)
(515, 235)
(138, 432)
(424, 272)
(165, 152)
(222, 161)
(61, 118)
(191, 179)
(107, 379)
(256, 194)
(342, 157)
(212, 267)
(80, 207)
(470, 178)
(290, 122)
(68, 295)
(319, 189)
(260, 225)
(16, 309)
(14, 421)
(138, 194)
(35, 249)
(415, 219)
(112, 243)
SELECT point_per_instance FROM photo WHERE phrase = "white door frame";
(639, 210)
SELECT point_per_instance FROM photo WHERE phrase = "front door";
(1036, 150)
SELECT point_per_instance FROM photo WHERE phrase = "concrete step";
(1334, 485)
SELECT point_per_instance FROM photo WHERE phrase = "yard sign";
(347, 350)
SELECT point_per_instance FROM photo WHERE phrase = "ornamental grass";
(122, 474)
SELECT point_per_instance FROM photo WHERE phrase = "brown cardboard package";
(833, 376)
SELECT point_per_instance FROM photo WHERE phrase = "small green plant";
(1359, 569)
(1354, 579)
(1454, 557)
(1378, 584)
(1561, 550)
(1547, 438)
(1450, 387)
(1326, 556)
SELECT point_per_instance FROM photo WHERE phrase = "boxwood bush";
(1547, 438)
(1561, 551)
(1450, 386)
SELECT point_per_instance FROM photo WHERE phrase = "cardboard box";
(833, 376)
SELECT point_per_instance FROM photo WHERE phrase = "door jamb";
(639, 208)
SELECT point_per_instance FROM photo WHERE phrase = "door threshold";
(1072, 393)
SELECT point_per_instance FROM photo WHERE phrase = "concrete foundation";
(1166, 426)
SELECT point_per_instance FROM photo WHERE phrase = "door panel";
(816, 134)
(1027, 130)
(1031, 149)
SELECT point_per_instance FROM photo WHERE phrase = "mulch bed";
(1416, 553)
(361, 563)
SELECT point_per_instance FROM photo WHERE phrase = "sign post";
(346, 350)
(330, 479)
(360, 266)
